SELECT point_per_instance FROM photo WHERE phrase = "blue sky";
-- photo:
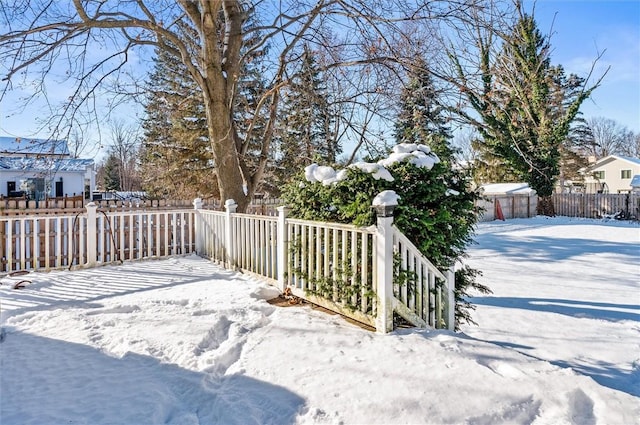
(580, 31)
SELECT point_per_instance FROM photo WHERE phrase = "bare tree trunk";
(233, 185)
(545, 206)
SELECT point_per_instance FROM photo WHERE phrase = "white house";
(611, 174)
(41, 168)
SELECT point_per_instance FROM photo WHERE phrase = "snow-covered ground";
(181, 341)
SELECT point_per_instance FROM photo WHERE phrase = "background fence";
(595, 205)
(76, 205)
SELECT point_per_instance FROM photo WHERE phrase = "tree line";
(242, 95)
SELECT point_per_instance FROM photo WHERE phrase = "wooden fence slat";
(595, 205)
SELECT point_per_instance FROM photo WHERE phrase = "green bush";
(436, 209)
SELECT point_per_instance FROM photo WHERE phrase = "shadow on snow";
(551, 249)
(573, 308)
(606, 374)
(132, 389)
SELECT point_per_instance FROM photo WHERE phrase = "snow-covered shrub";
(435, 208)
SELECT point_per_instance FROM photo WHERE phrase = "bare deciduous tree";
(607, 137)
(124, 144)
(630, 144)
(93, 41)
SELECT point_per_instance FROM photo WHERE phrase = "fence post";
(230, 207)
(92, 235)
(282, 247)
(384, 261)
(197, 226)
(451, 299)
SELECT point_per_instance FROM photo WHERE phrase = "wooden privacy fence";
(511, 206)
(72, 205)
(367, 274)
(595, 205)
(40, 242)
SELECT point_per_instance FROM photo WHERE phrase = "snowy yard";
(181, 341)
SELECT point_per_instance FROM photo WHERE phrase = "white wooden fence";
(344, 268)
(45, 242)
(367, 274)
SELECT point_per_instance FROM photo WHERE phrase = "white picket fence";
(344, 268)
(46, 242)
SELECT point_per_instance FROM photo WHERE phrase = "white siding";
(612, 168)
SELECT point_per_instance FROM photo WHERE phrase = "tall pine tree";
(306, 132)
(421, 117)
(428, 217)
(526, 106)
(176, 159)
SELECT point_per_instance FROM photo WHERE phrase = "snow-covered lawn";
(181, 341)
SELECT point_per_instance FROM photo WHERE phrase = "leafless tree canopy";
(99, 47)
(608, 137)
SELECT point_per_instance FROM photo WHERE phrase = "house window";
(598, 175)
(625, 174)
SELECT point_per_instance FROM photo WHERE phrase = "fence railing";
(367, 274)
(347, 269)
(40, 242)
(425, 298)
(595, 205)
(333, 265)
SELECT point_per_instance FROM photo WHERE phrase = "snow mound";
(386, 198)
(416, 154)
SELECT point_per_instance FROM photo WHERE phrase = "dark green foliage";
(526, 106)
(112, 173)
(306, 128)
(443, 225)
(438, 221)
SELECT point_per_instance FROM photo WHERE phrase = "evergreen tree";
(439, 224)
(421, 117)
(306, 134)
(526, 107)
(112, 173)
(176, 157)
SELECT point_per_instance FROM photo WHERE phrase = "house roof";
(606, 159)
(507, 189)
(44, 164)
(24, 146)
